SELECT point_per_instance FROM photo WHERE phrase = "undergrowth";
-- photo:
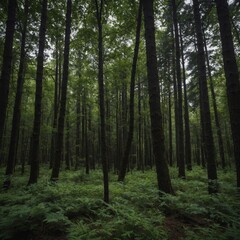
(72, 208)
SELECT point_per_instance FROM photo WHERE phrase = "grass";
(73, 208)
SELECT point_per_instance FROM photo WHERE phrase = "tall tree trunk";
(55, 109)
(17, 105)
(125, 159)
(83, 127)
(206, 118)
(232, 78)
(217, 122)
(61, 118)
(99, 10)
(67, 144)
(34, 149)
(140, 132)
(181, 164)
(6, 65)
(188, 147)
(117, 156)
(164, 181)
(170, 154)
(77, 148)
(175, 97)
(86, 136)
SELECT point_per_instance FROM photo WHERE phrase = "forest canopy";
(108, 93)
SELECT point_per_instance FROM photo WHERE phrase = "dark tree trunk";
(175, 97)
(140, 132)
(124, 114)
(164, 181)
(6, 65)
(55, 110)
(206, 118)
(232, 78)
(61, 118)
(34, 149)
(125, 159)
(17, 105)
(86, 137)
(170, 154)
(77, 148)
(67, 145)
(117, 156)
(188, 147)
(181, 164)
(99, 10)
(83, 128)
(214, 102)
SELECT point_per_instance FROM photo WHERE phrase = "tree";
(99, 11)
(232, 78)
(34, 150)
(61, 118)
(204, 103)
(164, 181)
(215, 110)
(181, 164)
(123, 169)
(55, 107)
(187, 145)
(17, 106)
(6, 65)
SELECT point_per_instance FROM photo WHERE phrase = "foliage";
(71, 208)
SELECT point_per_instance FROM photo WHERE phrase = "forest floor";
(73, 208)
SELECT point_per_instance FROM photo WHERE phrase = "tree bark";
(181, 164)
(204, 99)
(6, 65)
(170, 149)
(77, 147)
(61, 118)
(17, 105)
(67, 144)
(34, 150)
(125, 159)
(164, 181)
(175, 97)
(55, 109)
(187, 145)
(214, 102)
(99, 10)
(232, 78)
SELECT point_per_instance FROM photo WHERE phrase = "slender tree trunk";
(77, 148)
(17, 106)
(232, 78)
(86, 137)
(208, 136)
(61, 118)
(181, 166)
(188, 147)
(83, 128)
(55, 110)
(6, 65)
(34, 149)
(125, 159)
(175, 97)
(164, 181)
(140, 132)
(217, 122)
(170, 149)
(67, 144)
(117, 156)
(99, 10)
